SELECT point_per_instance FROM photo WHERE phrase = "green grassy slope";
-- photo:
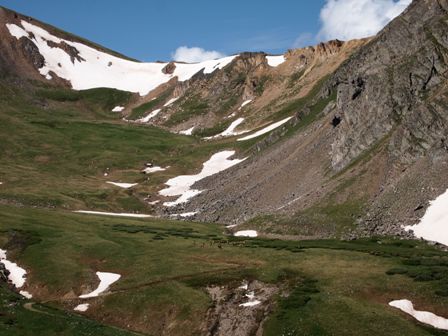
(337, 288)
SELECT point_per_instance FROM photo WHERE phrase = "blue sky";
(153, 30)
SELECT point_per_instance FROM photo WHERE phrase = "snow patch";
(421, 316)
(150, 116)
(181, 185)
(275, 61)
(245, 103)
(123, 185)
(246, 233)
(155, 169)
(98, 69)
(230, 131)
(106, 279)
(82, 307)
(171, 101)
(26, 294)
(101, 213)
(118, 109)
(266, 129)
(434, 224)
(252, 301)
(17, 275)
(187, 132)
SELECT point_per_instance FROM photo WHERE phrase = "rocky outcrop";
(31, 52)
(395, 86)
(70, 50)
(169, 68)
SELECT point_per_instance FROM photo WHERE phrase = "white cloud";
(195, 55)
(350, 19)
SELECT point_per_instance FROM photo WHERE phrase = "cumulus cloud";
(194, 54)
(350, 19)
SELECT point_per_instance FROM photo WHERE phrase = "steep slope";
(370, 160)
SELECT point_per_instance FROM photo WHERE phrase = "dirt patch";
(239, 311)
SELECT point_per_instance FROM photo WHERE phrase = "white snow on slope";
(246, 233)
(114, 214)
(25, 294)
(181, 185)
(103, 70)
(106, 279)
(265, 130)
(151, 170)
(171, 101)
(118, 109)
(123, 185)
(252, 301)
(421, 316)
(245, 103)
(230, 131)
(434, 224)
(187, 132)
(17, 274)
(275, 61)
(149, 116)
(82, 307)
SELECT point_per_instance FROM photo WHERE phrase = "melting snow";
(82, 307)
(230, 131)
(185, 214)
(421, 316)
(181, 185)
(275, 61)
(434, 224)
(245, 103)
(106, 279)
(123, 185)
(99, 69)
(187, 132)
(112, 214)
(118, 109)
(155, 169)
(252, 301)
(265, 130)
(169, 102)
(150, 116)
(25, 294)
(16, 273)
(246, 233)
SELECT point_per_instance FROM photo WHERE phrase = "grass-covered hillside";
(332, 287)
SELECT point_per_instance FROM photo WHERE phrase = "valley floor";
(323, 287)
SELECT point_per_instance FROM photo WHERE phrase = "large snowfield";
(434, 224)
(98, 69)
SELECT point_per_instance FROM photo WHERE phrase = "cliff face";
(396, 86)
